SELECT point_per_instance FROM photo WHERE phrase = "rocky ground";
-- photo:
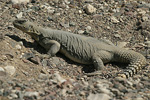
(26, 76)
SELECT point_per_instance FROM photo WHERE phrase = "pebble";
(10, 69)
(114, 20)
(19, 1)
(100, 96)
(43, 76)
(31, 94)
(28, 55)
(121, 44)
(13, 96)
(19, 15)
(80, 32)
(88, 28)
(72, 23)
(58, 79)
(89, 9)
(104, 90)
(18, 47)
(80, 12)
(2, 69)
(88, 1)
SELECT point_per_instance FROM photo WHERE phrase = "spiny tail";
(136, 62)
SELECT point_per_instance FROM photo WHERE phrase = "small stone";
(43, 76)
(19, 1)
(114, 20)
(2, 72)
(58, 79)
(80, 32)
(50, 10)
(115, 91)
(72, 23)
(35, 60)
(88, 28)
(100, 96)
(117, 36)
(88, 1)
(121, 44)
(89, 9)
(141, 11)
(104, 90)
(80, 12)
(2, 69)
(10, 69)
(66, 25)
(13, 96)
(19, 15)
(145, 18)
(82, 93)
(50, 18)
(28, 55)
(18, 47)
(31, 94)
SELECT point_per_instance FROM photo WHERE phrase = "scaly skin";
(82, 49)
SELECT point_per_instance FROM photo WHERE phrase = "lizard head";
(24, 25)
(27, 27)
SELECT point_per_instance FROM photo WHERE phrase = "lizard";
(83, 49)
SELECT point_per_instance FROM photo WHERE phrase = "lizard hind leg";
(99, 58)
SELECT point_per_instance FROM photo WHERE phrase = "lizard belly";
(75, 58)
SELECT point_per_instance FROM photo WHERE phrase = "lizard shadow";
(91, 68)
(27, 44)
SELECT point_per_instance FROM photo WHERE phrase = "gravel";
(24, 75)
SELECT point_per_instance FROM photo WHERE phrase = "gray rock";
(89, 9)
(114, 20)
(115, 91)
(58, 79)
(88, 1)
(88, 28)
(100, 96)
(2, 69)
(20, 1)
(104, 90)
(80, 32)
(13, 96)
(66, 25)
(72, 23)
(28, 55)
(10, 69)
(43, 76)
(19, 15)
(31, 94)
(18, 47)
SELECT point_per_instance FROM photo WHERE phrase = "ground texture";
(26, 76)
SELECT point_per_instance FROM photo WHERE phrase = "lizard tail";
(136, 62)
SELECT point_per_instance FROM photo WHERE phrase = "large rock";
(89, 9)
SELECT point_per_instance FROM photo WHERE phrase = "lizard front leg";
(51, 46)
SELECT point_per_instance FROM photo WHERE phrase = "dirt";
(14, 44)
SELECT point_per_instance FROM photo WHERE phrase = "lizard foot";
(44, 56)
(93, 73)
